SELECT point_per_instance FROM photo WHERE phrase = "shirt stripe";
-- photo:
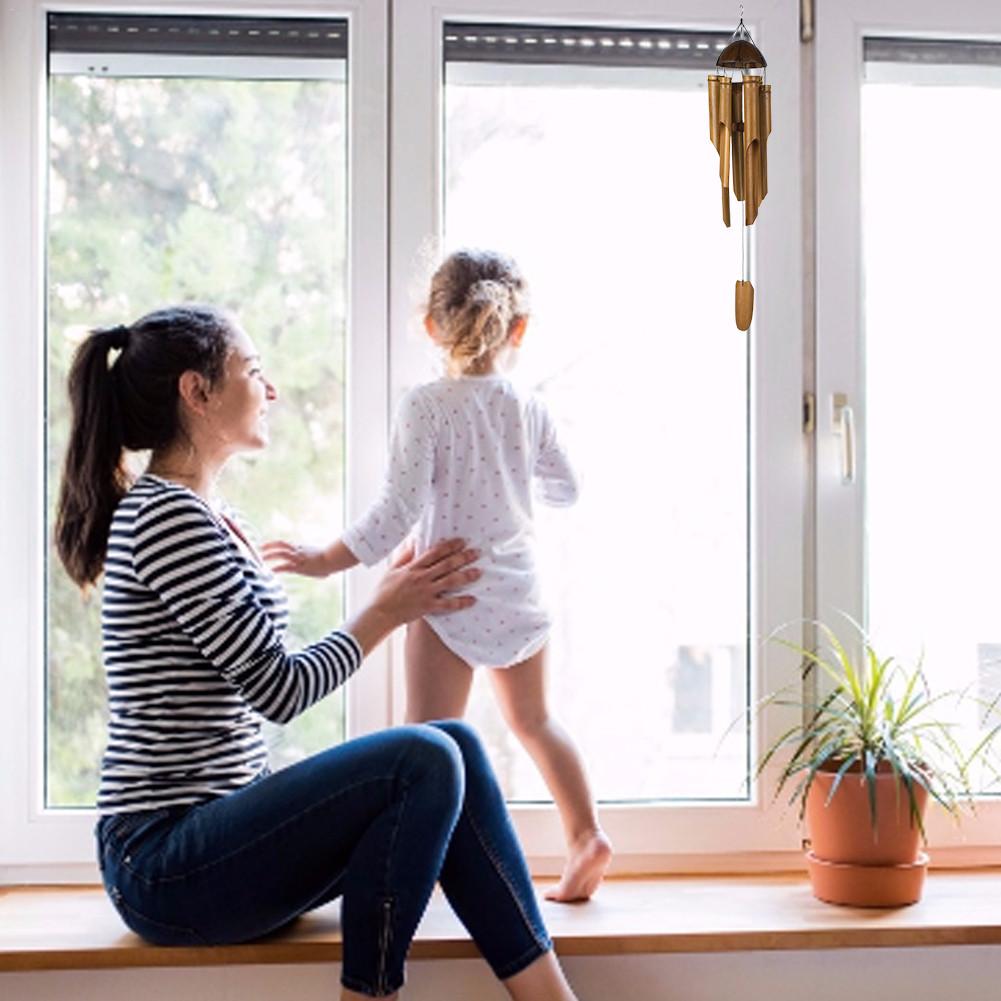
(194, 652)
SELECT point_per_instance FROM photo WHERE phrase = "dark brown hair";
(128, 401)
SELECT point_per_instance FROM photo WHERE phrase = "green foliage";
(229, 192)
(878, 715)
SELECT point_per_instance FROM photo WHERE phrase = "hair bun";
(489, 290)
(475, 294)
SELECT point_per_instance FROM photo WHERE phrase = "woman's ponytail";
(93, 478)
(126, 402)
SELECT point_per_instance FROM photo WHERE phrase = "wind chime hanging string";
(740, 120)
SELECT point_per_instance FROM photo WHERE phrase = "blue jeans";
(375, 821)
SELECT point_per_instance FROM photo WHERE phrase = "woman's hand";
(412, 588)
(415, 587)
(310, 561)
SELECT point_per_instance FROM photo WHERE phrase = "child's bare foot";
(584, 870)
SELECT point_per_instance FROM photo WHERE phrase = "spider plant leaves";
(870, 781)
(845, 766)
(876, 716)
(907, 777)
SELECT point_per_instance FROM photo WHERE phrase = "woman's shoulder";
(150, 490)
(153, 501)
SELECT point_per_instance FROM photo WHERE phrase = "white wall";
(961, 973)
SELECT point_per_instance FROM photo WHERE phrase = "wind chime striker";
(740, 120)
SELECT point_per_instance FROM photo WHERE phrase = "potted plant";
(862, 764)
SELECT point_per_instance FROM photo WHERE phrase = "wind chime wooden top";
(740, 120)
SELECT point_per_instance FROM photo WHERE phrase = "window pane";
(603, 184)
(932, 357)
(166, 190)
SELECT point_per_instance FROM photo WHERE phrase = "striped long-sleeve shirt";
(193, 635)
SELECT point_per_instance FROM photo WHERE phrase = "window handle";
(843, 418)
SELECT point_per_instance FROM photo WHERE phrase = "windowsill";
(75, 928)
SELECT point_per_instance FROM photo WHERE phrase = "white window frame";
(840, 30)
(39, 844)
(676, 836)
(36, 843)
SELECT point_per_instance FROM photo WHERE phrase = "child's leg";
(521, 693)
(438, 681)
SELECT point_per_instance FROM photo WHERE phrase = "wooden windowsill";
(65, 928)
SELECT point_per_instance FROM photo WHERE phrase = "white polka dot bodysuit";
(468, 456)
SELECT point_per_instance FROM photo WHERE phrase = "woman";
(198, 842)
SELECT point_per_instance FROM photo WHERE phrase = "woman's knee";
(463, 736)
(432, 756)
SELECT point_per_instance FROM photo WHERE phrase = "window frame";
(41, 844)
(38, 844)
(651, 837)
(840, 517)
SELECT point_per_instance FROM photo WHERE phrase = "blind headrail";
(199, 35)
(932, 52)
(561, 45)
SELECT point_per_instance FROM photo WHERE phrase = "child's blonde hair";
(475, 297)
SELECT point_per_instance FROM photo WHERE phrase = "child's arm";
(556, 481)
(407, 487)
(388, 521)
(311, 561)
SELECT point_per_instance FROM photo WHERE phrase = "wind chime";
(740, 120)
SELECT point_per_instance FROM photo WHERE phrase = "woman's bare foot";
(585, 868)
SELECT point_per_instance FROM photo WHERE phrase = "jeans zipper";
(385, 938)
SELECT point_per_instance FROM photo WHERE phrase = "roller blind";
(196, 35)
(538, 44)
(930, 52)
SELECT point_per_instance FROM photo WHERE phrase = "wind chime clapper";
(740, 120)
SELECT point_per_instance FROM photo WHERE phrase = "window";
(633, 345)
(597, 174)
(904, 339)
(316, 238)
(491, 145)
(137, 172)
(930, 437)
(164, 188)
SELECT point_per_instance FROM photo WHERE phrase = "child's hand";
(310, 561)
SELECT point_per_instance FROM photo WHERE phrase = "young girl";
(466, 452)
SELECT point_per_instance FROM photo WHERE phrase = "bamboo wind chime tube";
(751, 151)
(736, 138)
(766, 131)
(720, 118)
(757, 125)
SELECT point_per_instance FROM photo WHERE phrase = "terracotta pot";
(842, 830)
(853, 862)
(867, 885)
